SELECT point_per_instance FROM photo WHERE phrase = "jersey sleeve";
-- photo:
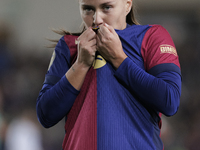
(159, 86)
(159, 52)
(60, 62)
(57, 94)
(160, 93)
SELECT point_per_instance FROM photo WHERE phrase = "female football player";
(112, 81)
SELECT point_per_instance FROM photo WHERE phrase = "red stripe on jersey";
(81, 124)
(70, 40)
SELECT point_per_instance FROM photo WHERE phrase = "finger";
(93, 42)
(106, 32)
(103, 30)
(87, 35)
(104, 36)
(94, 48)
(106, 29)
(98, 39)
(110, 28)
(91, 34)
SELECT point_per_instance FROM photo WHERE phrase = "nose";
(97, 18)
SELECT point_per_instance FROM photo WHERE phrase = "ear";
(128, 6)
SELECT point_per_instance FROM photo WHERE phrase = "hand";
(109, 45)
(87, 47)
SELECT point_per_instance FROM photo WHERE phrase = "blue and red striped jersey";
(115, 109)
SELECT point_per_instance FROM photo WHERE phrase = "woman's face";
(112, 12)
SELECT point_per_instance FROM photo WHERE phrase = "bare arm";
(86, 55)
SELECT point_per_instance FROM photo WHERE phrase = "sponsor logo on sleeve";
(168, 49)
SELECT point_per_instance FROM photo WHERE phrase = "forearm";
(161, 93)
(76, 75)
(54, 102)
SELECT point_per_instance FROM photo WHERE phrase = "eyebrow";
(106, 3)
(87, 6)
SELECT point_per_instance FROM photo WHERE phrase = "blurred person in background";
(23, 133)
(112, 81)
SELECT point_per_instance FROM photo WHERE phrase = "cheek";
(88, 20)
(115, 20)
(117, 15)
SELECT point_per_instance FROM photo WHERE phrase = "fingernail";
(106, 24)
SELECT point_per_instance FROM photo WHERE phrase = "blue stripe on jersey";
(164, 68)
(122, 121)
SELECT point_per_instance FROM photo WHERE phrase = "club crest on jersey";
(168, 49)
(99, 62)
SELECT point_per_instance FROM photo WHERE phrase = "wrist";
(118, 61)
(80, 66)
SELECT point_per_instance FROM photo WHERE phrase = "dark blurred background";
(24, 59)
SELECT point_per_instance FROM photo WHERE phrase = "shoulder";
(134, 33)
(67, 40)
(147, 30)
(65, 43)
(70, 39)
(156, 36)
(138, 29)
(157, 27)
(134, 30)
(158, 48)
(157, 32)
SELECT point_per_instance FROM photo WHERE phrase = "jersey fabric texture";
(115, 109)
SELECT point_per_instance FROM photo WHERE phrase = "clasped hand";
(106, 42)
